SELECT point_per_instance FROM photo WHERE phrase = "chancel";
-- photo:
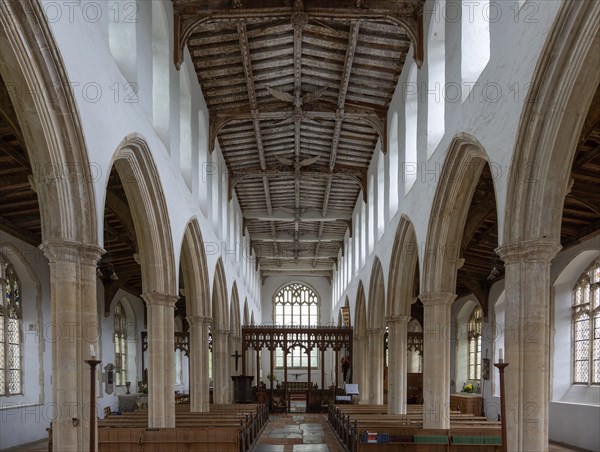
(255, 225)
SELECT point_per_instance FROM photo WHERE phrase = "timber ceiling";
(298, 97)
(282, 174)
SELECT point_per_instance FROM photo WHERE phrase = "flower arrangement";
(272, 377)
(467, 387)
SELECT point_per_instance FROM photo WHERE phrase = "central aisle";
(297, 433)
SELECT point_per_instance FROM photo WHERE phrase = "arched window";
(185, 126)
(411, 107)
(160, 73)
(122, 39)
(436, 75)
(11, 319)
(296, 304)
(120, 320)
(586, 327)
(475, 45)
(414, 347)
(474, 350)
(372, 232)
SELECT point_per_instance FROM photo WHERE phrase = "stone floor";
(295, 432)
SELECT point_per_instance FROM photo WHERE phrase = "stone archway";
(360, 347)
(565, 80)
(376, 333)
(141, 183)
(402, 292)
(460, 175)
(220, 335)
(235, 331)
(194, 270)
(49, 120)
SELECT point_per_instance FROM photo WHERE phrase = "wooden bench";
(225, 428)
(370, 428)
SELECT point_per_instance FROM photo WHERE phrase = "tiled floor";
(297, 433)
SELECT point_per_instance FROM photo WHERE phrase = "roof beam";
(359, 176)
(192, 15)
(302, 238)
(288, 267)
(323, 258)
(348, 61)
(218, 119)
(15, 154)
(245, 49)
(308, 215)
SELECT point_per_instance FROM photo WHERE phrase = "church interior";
(221, 215)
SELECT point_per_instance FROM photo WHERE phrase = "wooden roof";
(298, 98)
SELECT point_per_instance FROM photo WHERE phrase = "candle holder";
(93, 363)
(501, 366)
(128, 385)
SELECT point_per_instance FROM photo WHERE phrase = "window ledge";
(582, 395)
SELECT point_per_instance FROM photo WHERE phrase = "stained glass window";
(120, 320)
(474, 350)
(586, 327)
(296, 304)
(11, 320)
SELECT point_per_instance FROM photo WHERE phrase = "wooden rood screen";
(308, 338)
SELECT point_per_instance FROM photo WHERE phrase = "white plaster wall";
(493, 122)
(134, 308)
(24, 418)
(578, 403)
(110, 110)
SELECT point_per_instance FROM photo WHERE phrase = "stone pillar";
(436, 359)
(221, 374)
(527, 342)
(199, 395)
(397, 365)
(360, 366)
(73, 329)
(375, 365)
(161, 359)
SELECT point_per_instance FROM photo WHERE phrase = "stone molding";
(437, 298)
(71, 251)
(160, 299)
(536, 250)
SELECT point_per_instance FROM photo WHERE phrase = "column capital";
(198, 320)
(160, 299)
(536, 250)
(400, 318)
(376, 331)
(217, 333)
(437, 298)
(64, 250)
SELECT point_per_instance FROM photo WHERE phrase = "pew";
(370, 428)
(225, 428)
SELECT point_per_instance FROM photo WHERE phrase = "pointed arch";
(564, 82)
(235, 326)
(360, 312)
(376, 302)
(403, 277)
(219, 298)
(49, 119)
(194, 270)
(246, 318)
(141, 182)
(460, 174)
